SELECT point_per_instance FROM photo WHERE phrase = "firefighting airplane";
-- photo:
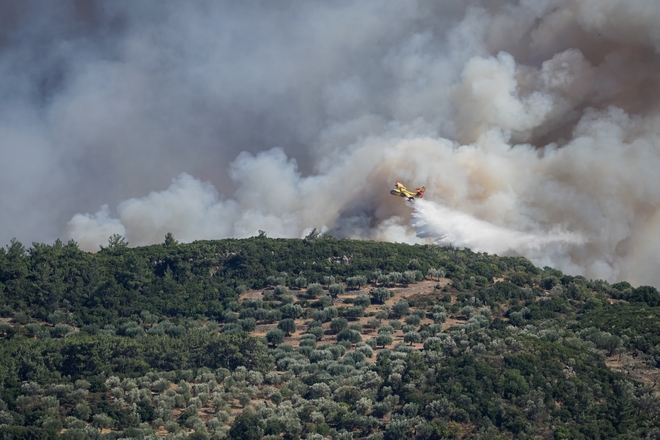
(401, 191)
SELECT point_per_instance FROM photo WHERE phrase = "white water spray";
(450, 227)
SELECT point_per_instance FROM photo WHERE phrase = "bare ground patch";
(636, 369)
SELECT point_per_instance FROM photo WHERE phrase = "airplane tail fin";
(421, 192)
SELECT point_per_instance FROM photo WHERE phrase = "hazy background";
(534, 124)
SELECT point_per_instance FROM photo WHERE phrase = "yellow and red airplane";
(401, 191)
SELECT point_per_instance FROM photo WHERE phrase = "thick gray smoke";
(534, 124)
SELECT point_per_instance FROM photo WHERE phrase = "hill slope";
(319, 337)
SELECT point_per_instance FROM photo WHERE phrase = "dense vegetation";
(318, 338)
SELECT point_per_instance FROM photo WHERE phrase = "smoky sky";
(215, 119)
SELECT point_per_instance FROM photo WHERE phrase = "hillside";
(318, 338)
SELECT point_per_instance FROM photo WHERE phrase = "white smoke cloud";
(488, 97)
(529, 122)
(93, 230)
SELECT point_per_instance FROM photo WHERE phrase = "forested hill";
(201, 279)
(318, 338)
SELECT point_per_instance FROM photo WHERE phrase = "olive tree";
(373, 323)
(248, 324)
(398, 428)
(354, 312)
(356, 282)
(338, 324)
(328, 280)
(102, 421)
(380, 295)
(401, 308)
(436, 273)
(320, 316)
(395, 277)
(314, 290)
(412, 337)
(412, 320)
(318, 390)
(413, 276)
(291, 311)
(246, 426)
(335, 289)
(317, 332)
(384, 339)
(275, 336)
(300, 282)
(287, 325)
(349, 335)
(82, 411)
(279, 291)
(439, 317)
(386, 329)
(362, 301)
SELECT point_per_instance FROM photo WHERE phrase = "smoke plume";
(534, 124)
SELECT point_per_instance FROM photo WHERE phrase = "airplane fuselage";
(402, 191)
(396, 192)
